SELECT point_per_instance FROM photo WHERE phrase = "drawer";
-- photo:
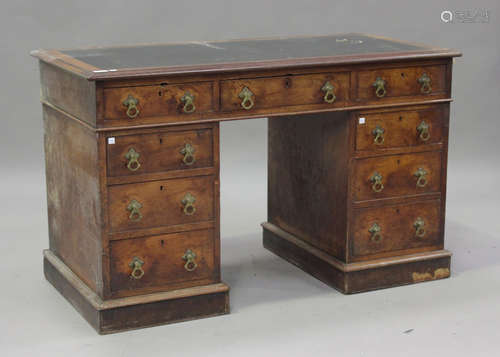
(161, 203)
(393, 228)
(399, 128)
(186, 99)
(383, 84)
(185, 259)
(325, 89)
(396, 175)
(163, 151)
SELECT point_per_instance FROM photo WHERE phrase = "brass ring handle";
(135, 213)
(375, 230)
(189, 257)
(376, 180)
(329, 89)
(425, 83)
(419, 227)
(188, 101)
(378, 134)
(133, 163)
(423, 130)
(188, 203)
(421, 177)
(131, 104)
(188, 152)
(379, 85)
(137, 271)
(246, 98)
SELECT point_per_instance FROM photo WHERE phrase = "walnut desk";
(358, 136)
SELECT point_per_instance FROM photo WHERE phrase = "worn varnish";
(358, 143)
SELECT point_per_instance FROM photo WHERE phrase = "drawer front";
(171, 259)
(396, 129)
(392, 228)
(163, 151)
(396, 175)
(161, 203)
(186, 100)
(326, 89)
(384, 84)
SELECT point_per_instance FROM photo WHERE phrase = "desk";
(358, 138)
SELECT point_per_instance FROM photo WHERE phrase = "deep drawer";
(179, 259)
(394, 228)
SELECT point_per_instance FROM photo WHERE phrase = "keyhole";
(287, 83)
(161, 140)
(162, 242)
(398, 162)
(161, 188)
(400, 118)
(397, 210)
(159, 93)
(402, 74)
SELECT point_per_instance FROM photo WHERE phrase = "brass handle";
(421, 177)
(329, 89)
(423, 130)
(378, 135)
(375, 230)
(188, 101)
(133, 163)
(188, 152)
(246, 98)
(419, 227)
(131, 104)
(137, 271)
(376, 180)
(189, 257)
(379, 85)
(188, 203)
(425, 83)
(135, 213)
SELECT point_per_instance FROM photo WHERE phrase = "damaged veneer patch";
(440, 273)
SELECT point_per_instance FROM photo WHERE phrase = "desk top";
(101, 63)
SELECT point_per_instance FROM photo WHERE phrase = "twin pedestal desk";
(358, 137)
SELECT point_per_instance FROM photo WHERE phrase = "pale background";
(276, 308)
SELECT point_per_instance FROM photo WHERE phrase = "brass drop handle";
(188, 203)
(131, 104)
(425, 83)
(135, 214)
(423, 130)
(188, 100)
(376, 235)
(329, 89)
(132, 157)
(376, 180)
(188, 152)
(419, 227)
(189, 257)
(379, 85)
(421, 177)
(378, 135)
(136, 265)
(246, 98)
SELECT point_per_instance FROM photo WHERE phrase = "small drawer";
(325, 89)
(185, 259)
(384, 84)
(396, 175)
(393, 228)
(130, 103)
(161, 203)
(158, 152)
(399, 128)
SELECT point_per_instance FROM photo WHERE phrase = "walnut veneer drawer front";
(163, 260)
(383, 84)
(393, 228)
(185, 100)
(161, 203)
(326, 89)
(396, 175)
(395, 129)
(162, 151)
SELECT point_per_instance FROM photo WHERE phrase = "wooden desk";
(358, 138)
